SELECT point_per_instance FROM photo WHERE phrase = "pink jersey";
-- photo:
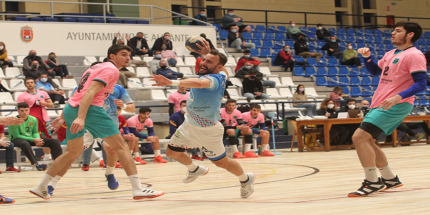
(134, 122)
(396, 74)
(231, 118)
(176, 98)
(252, 122)
(107, 73)
(31, 99)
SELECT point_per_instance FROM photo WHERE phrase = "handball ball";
(191, 42)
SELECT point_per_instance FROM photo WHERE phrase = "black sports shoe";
(368, 188)
(392, 183)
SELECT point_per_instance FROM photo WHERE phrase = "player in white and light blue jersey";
(202, 127)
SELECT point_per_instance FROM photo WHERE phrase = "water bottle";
(259, 149)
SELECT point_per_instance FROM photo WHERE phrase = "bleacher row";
(79, 19)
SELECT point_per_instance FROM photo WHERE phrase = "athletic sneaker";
(392, 183)
(237, 155)
(146, 193)
(102, 164)
(41, 167)
(420, 136)
(266, 153)
(250, 154)
(248, 186)
(12, 169)
(85, 167)
(368, 188)
(41, 193)
(191, 176)
(118, 165)
(197, 157)
(4, 200)
(50, 190)
(0, 172)
(159, 159)
(112, 182)
(138, 159)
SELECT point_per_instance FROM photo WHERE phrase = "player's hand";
(42, 103)
(390, 102)
(56, 124)
(60, 92)
(127, 37)
(77, 125)
(365, 52)
(128, 137)
(161, 80)
(204, 48)
(10, 120)
(244, 128)
(3, 142)
(38, 142)
(117, 34)
(118, 102)
(327, 114)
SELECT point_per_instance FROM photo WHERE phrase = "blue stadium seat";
(369, 39)
(359, 39)
(425, 102)
(364, 72)
(271, 29)
(359, 32)
(332, 81)
(380, 46)
(333, 61)
(366, 91)
(254, 52)
(332, 71)
(129, 21)
(332, 31)
(354, 46)
(378, 39)
(424, 48)
(366, 81)
(252, 28)
(341, 37)
(247, 35)
(422, 41)
(299, 59)
(368, 31)
(350, 39)
(344, 81)
(343, 71)
(355, 91)
(427, 33)
(37, 19)
(275, 52)
(280, 36)
(269, 36)
(95, 20)
(354, 71)
(320, 44)
(289, 43)
(223, 34)
(310, 70)
(311, 36)
(258, 35)
(322, 62)
(86, 20)
(321, 81)
(303, 29)
(322, 52)
(375, 81)
(312, 29)
(298, 71)
(20, 18)
(355, 81)
(278, 44)
(51, 19)
(322, 71)
(267, 44)
(282, 28)
(68, 19)
(346, 90)
(341, 31)
(142, 22)
(115, 21)
(389, 46)
(350, 32)
(257, 43)
(377, 32)
(311, 61)
(265, 53)
(260, 28)
(361, 45)
(217, 26)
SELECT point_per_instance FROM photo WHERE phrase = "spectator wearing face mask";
(300, 95)
(165, 39)
(247, 58)
(138, 63)
(328, 109)
(59, 69)
(196, 55)
(139, 45)
(57, 96)
(168, 55)
(236, 40)
(285, 59)
(167, 72)
(32, 56)
(243, 73)
(230, 19)
(202, 17)
(350, 105)
(253, 88)
(350, 56)
(35, 72)
(364, 108)
(154, 64)
(4, 60)
(337, 94)
(301, 48)
(294, 32)
(332, 47)
(323, 34)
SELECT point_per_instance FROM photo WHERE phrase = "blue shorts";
(256, 131)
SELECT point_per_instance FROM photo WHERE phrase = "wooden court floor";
(291, 183)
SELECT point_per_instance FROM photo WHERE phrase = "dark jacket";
(35, 73)
(282, 58)
(159, 42)
(333, 112)
(345, 109)
(331, 45)
(27, 63)
(175, 121)
(201, 18)
(251, 86)
(133, 43)
(228, 21)
(321, 34)
(301, 46)
(165, 73)
(242, 72)
(232, 37)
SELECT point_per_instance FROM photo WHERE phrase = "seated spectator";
(57, 96)
(168, 55)
(230, 19)
(253, 88)
(139, 45)
(350, 57)
(244, 73)
(59, 69)
(202, 17)
(165, 39)
(131, 61)
(120, 41)
(167, 72)
(323, 34)
(294, 32)
(176, 98)
(154, 64)
(350, 105)
(27, 135)
(28, 63)
(35, 72)
(4, 60)
(285, 58)
(124, 74)
(196, 55)
(300, 95)
(3, 89)
(9, 151)
(302, 49)
(137, 124)
(235, 39)
(132, 141)
(337, 94)
(332, 48)
(328, 109)
(247, 58)
(364, 108)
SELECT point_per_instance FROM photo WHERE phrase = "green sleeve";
(35, 129)
(345, 56)
(14, 133)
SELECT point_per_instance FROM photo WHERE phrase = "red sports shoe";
(197, 157)
(102, 164)
(12, 169)
(237, 155)
(118, 165)
(85, 167)
(159, 159)
(138, 159)
(266, 153)
(250, 154)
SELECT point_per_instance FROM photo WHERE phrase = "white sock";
(243, 177)
(156, 153)
(45, 181)
(131, 151)
(386, 172)
(234, 148)
(109, 170)
(135, 154)
(371, 174)
(191, 167)
(247, 147)
(264, 147)
(54, 181)
(135, 182)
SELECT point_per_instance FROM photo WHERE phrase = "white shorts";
(208, 139)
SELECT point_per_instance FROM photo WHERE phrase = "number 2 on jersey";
(386, 70)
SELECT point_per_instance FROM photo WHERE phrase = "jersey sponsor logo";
(396, 61)
(208, 152)
(190, 98)
(30, 123)
(177, 133)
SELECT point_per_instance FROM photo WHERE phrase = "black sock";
(248, 139)
(232, 140)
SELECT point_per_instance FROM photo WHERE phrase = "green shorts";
(388, 120)
(236, 133)
(97, 122)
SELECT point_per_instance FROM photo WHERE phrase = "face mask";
(333, 41)
(349, 47)
(34, 66)
(351, 107)
(163, 48)
(163, 67)
(247, 67)
(139, 38)
(330, 106)
(233, 30)
(52, 58)
(167, 38)
(319, 28)
(252, 77)
(43, 80)
(1, 48)
(247, 56)
(302, 89)
(292, 25)
(158, 56)
(33, 55)
(231, 14)
(203, 14)
(184, 109)
(364, 107)
(287, 50)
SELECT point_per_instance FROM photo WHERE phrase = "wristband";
(124, 107)
(38, 103)
(175, 83)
